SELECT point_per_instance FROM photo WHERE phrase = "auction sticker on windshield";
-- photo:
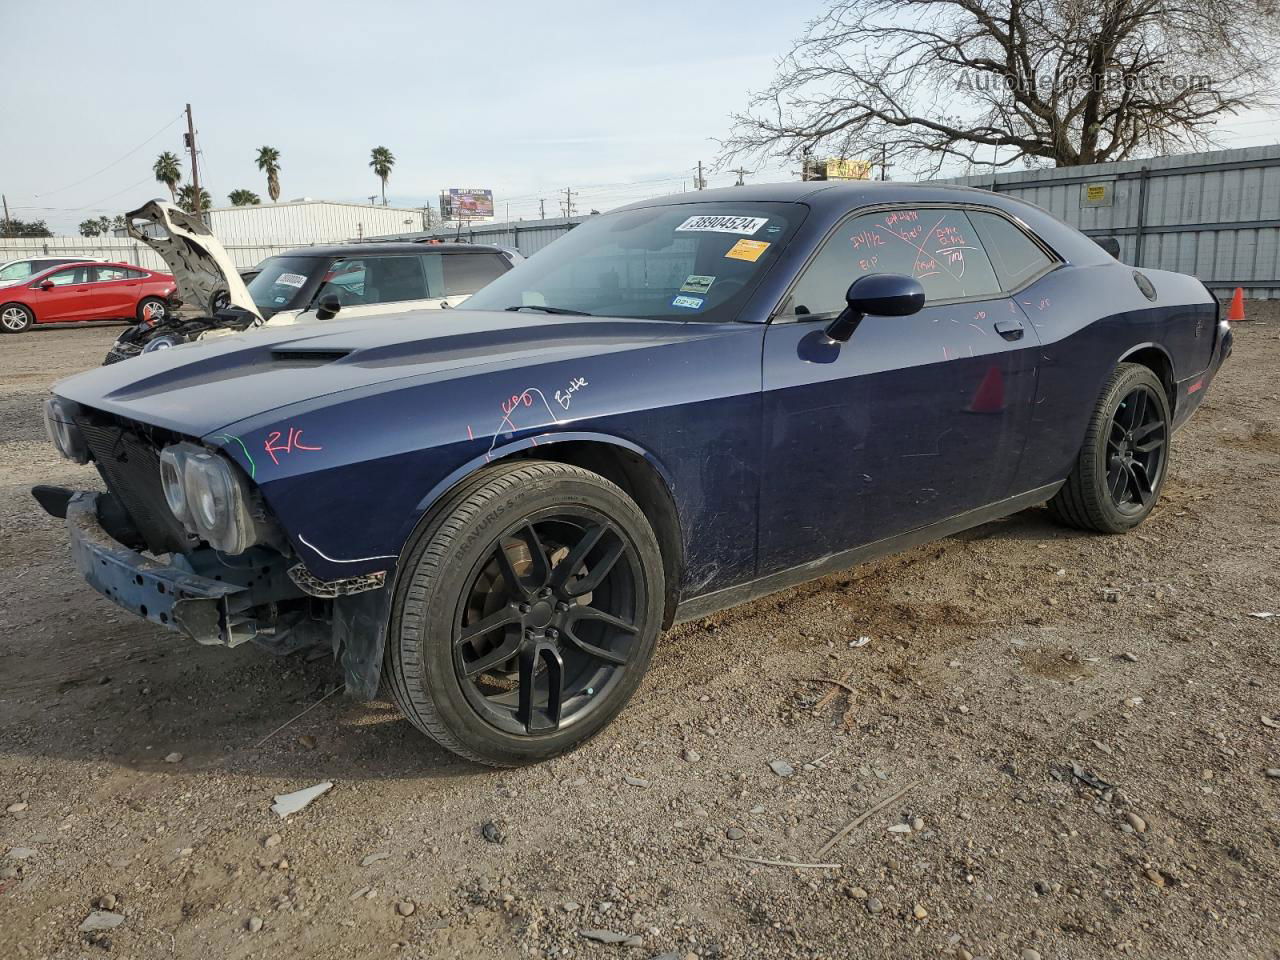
(711, 224)
(750, 250)
(696, 284)
(291, 279)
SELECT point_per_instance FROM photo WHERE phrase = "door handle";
(1010, 329)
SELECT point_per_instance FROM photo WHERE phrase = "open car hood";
(192, 253)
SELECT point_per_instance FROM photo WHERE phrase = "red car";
(85, 291)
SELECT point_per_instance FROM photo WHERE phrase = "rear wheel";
(151, 310)
(1121, 467)
(526, 614)
(15, 318)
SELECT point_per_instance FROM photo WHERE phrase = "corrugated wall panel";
(1235, 191)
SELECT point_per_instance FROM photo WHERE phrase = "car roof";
(386, 247)
(92, 263)
(821, 193)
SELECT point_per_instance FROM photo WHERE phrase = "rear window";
(465, 273)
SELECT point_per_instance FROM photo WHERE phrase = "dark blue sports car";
(678, 406)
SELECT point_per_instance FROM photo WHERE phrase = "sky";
(616, 101)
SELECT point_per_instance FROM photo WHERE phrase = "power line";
(113, 162)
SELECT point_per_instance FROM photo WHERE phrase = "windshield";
(282, 283)
(16, 271)
(687, 261)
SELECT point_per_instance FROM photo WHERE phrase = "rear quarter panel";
(1088, 319)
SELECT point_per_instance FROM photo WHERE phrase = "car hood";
(200, 388)
(198, 262)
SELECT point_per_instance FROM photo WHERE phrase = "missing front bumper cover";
(202, 608)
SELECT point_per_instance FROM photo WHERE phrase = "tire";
(1089, 499)
(530, 504)
(148, 306)
(15, 318)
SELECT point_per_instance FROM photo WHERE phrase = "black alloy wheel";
(1120, 469)
(1135, 450)
(547, 625)
(525, 612)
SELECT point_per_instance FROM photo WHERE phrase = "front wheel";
(1121, 467)
(15, 318)
(526, 613)
(151, 310)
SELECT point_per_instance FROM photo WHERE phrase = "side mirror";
(328, 307)
(46, 284)
(879, 294)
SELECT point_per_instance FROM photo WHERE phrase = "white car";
(15, 271)
(306, 285)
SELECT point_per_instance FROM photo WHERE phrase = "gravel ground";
(1072, 732)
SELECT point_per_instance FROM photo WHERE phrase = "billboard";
(841, 169)
(836, 168)
(458, 203)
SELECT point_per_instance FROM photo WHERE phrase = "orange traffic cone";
(1235, 312)
(989, 397)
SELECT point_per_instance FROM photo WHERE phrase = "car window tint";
(937, 247)
(111, 273)
(17, 271)
(433, 264)
(71, 275)
(1015, 256)
(466, 273)
(392, 279)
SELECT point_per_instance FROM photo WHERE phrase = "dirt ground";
(1077, 730)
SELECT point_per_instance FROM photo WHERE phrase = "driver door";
(914, 419)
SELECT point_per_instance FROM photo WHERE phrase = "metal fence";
(1213, 215)
(125, 250)
(527, 236)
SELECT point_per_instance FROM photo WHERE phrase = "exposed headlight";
(210, 496)
(175, 493)
(62, 430)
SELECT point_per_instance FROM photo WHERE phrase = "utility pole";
(568, 201)
(373, 200)
(884, 162)
(7, 222)
(741, 173)
(542, 209)
(195, 170)
(700, 183)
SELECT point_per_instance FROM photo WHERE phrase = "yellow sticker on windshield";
(750, 250)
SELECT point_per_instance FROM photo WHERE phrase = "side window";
(135, 274)
(938, 247)
(110, 273)
(466, 273)
(69, 276)
(1015, 256)
(392, 279)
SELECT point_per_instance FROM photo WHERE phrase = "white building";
(299, 222)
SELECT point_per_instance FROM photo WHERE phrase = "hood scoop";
(307, 356)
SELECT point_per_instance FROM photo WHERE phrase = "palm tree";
(244, 198)
(269, 163)
(186, 199)
(382, 161)
(168, 172)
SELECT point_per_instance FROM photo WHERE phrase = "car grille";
(130, 465)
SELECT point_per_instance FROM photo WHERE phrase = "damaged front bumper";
(209, 611)
(223, 601)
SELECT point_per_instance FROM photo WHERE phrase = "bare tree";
(1055, 82)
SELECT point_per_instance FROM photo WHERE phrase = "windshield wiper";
(565, 311)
